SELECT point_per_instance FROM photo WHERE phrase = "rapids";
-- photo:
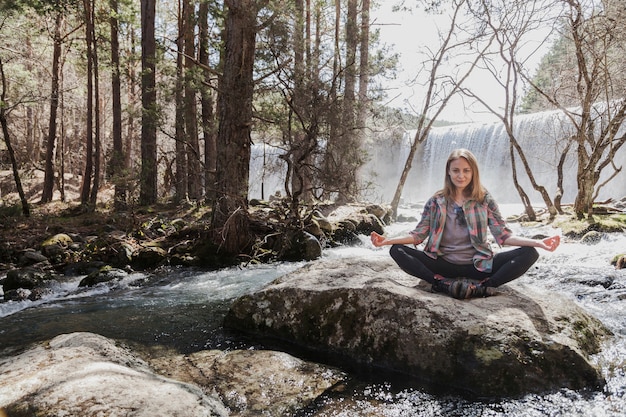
(184, 308)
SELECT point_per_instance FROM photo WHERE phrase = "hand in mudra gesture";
(551, 243)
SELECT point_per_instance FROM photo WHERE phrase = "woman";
(454, 224)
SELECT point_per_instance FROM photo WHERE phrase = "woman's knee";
(530, 253)
(396, 250)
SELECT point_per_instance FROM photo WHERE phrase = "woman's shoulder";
(490, 202)
(488, 196)
(436, 198)
(486, 201)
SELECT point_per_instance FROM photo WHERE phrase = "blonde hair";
(475, 189)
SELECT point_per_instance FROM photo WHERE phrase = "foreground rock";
(83, 374)
(367, 313)
(252, 382)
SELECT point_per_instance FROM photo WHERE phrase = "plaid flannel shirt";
(478, 216)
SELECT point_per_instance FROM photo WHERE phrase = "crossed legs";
(507, 265)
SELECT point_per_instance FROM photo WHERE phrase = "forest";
(163, 101)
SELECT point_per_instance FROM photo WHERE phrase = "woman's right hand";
(377, 240)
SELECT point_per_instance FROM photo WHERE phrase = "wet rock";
(368, 223)
(619, 261)
(83, 268)
(18, 294)
(83, 374)
(367, 313)
(27, 278)
(302, 247)
(603, 281)
(314, 228)
(31, 257)
(23, 294)
(381, 212)
(253, 382)
(105, 274)
(184, 260)
(406, 219)
(345, 233)
(592, 238)
(148, 257)
(350, 221)
(323, 223)
(118, 254)
(55, 247)
(60, 239)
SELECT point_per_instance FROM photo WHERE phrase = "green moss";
(486, 356)
(577, 228)
(616, 258)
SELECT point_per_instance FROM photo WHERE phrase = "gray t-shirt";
(455, 241)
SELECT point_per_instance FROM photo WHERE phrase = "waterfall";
(267, 171)
(542, 136)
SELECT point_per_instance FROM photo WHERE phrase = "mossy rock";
(619, 261)
(60, 239)
(104, 274)
(208, 254)
(28, 278)
(577, 228)
(148, 257)
(592, 237)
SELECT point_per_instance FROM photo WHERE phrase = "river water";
(184, 309)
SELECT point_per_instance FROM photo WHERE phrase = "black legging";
(507, 265)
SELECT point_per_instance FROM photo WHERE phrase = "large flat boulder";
(368, 313)
(83, 374)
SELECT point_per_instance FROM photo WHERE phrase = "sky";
(408, 34)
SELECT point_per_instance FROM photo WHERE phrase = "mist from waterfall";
(542, 136)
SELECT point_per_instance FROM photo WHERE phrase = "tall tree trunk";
(349, 151)
(93, 197)
(560, 177)
(530, 212)
(408, 164)
(230, 213)
(206, 100)
(132, 137)
(191, 119)
(297, 153)
(148, 180)
(62, 143)
(343, 157)
(179, 122)
(117, 166)
(364, 71)
(585, 178)
(334, 115)
(32, 140)
(7, 142)
(88, 170)
(48, 179)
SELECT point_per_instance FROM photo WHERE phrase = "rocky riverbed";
(109, 250)
(221, 391)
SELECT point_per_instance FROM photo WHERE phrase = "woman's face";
(460, 173)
